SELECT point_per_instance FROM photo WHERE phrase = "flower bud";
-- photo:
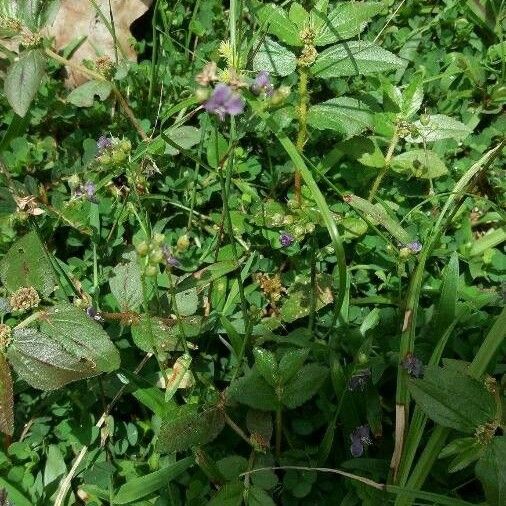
(151, 270)
(183, 243)
(156, 256)
(202, 94)
(424, 119)
(74, 181)
(158, 238)
(142, 248)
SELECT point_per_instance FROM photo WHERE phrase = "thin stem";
(279, 430)
(236, 428)
(302, 133)
(312, 307)
(388, 159)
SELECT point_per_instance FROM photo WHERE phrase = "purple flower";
(94, 314)
(359, 380)
(103, 143)
(262, 83)
(169, 258)
(286, 239)
(360, 438)
(414, 247)
(87, 190)
(413, 365)
(224, 101)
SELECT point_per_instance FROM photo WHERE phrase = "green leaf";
(187, 426)
(15, 496)
(126, 284)
(267, 365)
(491, 471)
(274, 58)
(151, 332)
(184, 136)
(27, 264)
(84, 95)
(344, 21)
(412, 97)
(438, 128)
(231, 494)
(187, 302)
(446, 309)
(254, 391)
(143, 486)
(354, 58)
(23, 80)
(291, 363)
(44, 363)
(298, 15)
(304, 385)
(6, 398)
(81, 336)
(259, 497)
(345, 115)
(275, 20)
(205, 276)
(453, 399)
(422, 163)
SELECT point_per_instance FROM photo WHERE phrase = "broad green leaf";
(267, 365)
(150, 333)
(254, 391)
(23, 80)
(205, 276)
(298, 303)
(126, 284)
(187, 426)
(80, 335)
(16, 496)
(275, 20)
(345, 115)
(304, 385)
(446, 309)
(453, 399)
(421, 163)
(259, 497)
(84, 95)
(491, 471)
(184, 136)
(274, 58)
(490, 240)
(260, 424)
(55, 465)
(7, 203)
(143, 486)
(44, 363)
(291, 363)
(377, 214)
(6, 398)
(438, 128)
(231, 494)
(354, 58)
(412, 97)
(345, 20)
(27, 264)
(187, 302)
(298, 15)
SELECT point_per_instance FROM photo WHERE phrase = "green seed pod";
(158, 239)
(74, 181)
(183, 243)
(142, 248)
(156, 256)
(362, 358)
(118, 156)
(424, 119)
(201, 94)
(151, 270)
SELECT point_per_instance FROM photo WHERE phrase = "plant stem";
(302, 133)
(388, 160)
(279, 430)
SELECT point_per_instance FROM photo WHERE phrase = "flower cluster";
(24, 298)
(360, 438)
(112, 151)
(413, 365)
(5, 335)
(359, 380)
(88, 191)
(224, 101)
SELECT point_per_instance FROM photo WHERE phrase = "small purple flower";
(360, 438)
(262, 83)
(87, 190)
(286, 239)
(413, 365)
(414, 247)
(103, 143)
(224, 101)
(169, 258)
(359, 380)
(94, 314)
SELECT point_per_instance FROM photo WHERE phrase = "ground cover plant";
(262, 265)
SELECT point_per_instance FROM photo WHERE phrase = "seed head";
(359, 380)
(286, 239)
(24, 298)
(360, 438)
(5, 335)
(413, 365)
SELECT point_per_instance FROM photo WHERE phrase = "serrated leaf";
(254, 391)
(184, 136)
(304, 385)
(150, 333)
(259, 497)
(344, 115)
(412, 97)
(187, 426)
(260, 423)
(345, 20)
(27, 264)
(440, 127)
(453, 399)
(354, 58)
(187, 302)
(143, 486)
(421, 163)
(231, 494)
(126, 284)
(80, 335)
(275, 20)
(6, 398)
(291, 363)
(267, 365)
(491, 471)
(23, 80)
(274, 58)
(206, 275)
(84, 95)
(44, 363)
(298, 15)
